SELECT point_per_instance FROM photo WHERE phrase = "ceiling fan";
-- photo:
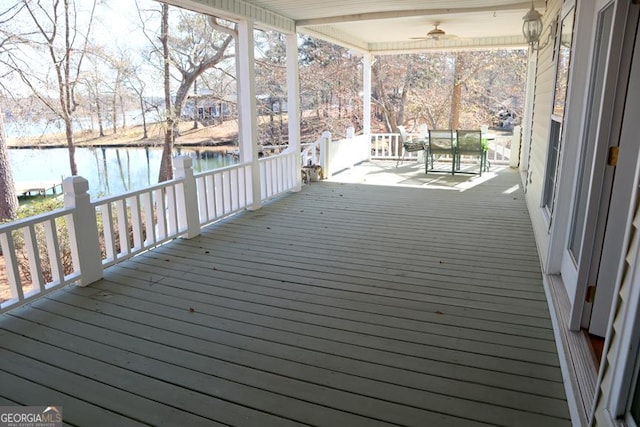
(435, 34)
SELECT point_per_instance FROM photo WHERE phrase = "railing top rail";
(36, 219)
(283, 154)
(121, 196)
(224, 169)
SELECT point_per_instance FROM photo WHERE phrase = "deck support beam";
(248, 137)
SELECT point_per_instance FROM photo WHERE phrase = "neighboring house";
(579, 154)
(206, 107)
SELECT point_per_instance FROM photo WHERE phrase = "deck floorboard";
(344, 304)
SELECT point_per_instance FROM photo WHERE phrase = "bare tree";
(8, 199)
(138, 86)
(93, 79)
(196, 48)
(166, 164)
(63, 36)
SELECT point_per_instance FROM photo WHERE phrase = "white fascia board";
(237, 10)
(483, 43)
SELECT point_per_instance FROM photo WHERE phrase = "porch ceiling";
(384, 26)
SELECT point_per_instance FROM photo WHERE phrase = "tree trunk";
(67, 101)
(145, 134)
(406, 88)
(123, 112)
(388, 112)
(8, 199)
(166, 162)
(456, 96)
(195, 104)
(99, 114)
(68, 128)
(114, 111)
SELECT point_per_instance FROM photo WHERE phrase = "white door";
(622, 196)
(602, 196)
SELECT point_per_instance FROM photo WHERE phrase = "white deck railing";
(279, 174)
(223, 192)
(139, 220)
(387, 146)
(33, 250)
(75, 244)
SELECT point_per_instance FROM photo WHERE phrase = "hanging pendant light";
(532, 26)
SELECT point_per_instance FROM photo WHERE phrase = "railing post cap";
(75, 185)
(183, 162)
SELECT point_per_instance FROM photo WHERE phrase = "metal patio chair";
(440, 144)
(469, 143)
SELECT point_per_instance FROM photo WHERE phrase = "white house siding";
(545, 81)
(620, 328)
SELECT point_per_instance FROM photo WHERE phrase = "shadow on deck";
(342, 305)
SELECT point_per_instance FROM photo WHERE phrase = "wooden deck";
(343, 305)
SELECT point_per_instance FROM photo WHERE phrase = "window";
(559, 101)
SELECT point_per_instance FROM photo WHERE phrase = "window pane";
(552, 166)
(562, 72)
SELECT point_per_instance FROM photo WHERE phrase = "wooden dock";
(342, 305)
(41, 188)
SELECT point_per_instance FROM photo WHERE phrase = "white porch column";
(248, 110)
(293, 104)
(366, 94)
(527, 115)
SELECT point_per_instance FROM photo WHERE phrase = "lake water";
(108, 170)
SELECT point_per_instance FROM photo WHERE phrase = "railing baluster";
(147, 208)
(234, 192)
(225, 192)
(136, 223)
(53, 249)
(211, 198)
(172, 208)
(161, 213)
(108, 232)
(35, 265)
(11, 263)
(123, 228)
(202, 200)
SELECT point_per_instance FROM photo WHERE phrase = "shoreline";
(140, 144)
(219, 136)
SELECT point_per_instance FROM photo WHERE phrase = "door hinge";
(591, 294)
(612, 160)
